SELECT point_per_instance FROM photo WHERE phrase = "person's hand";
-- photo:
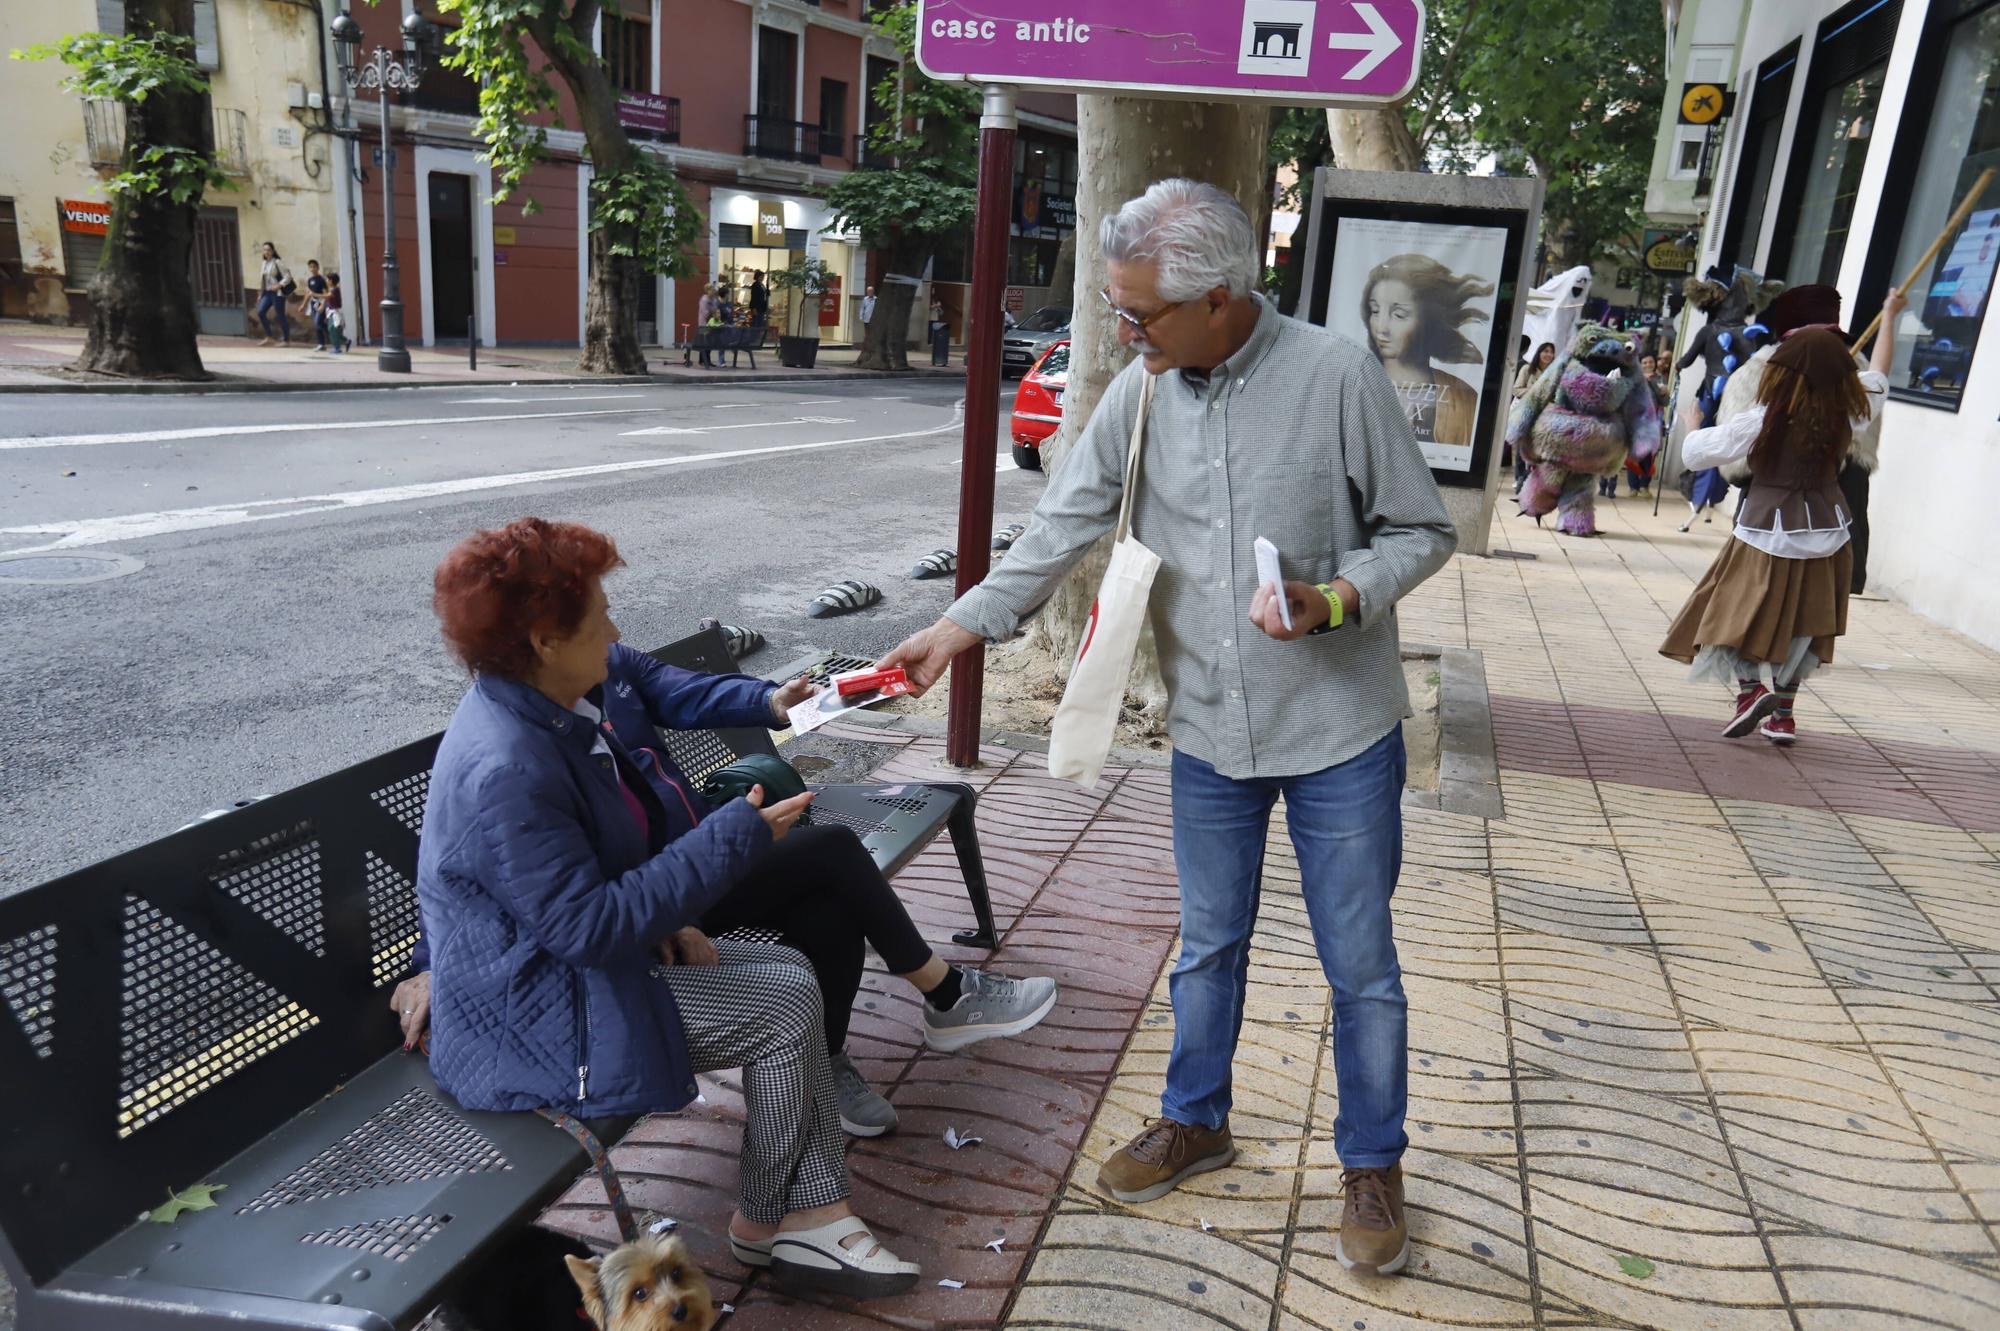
(926, 654)
(782, 816)
(1893, 304)
(791, 695)
(1309, 610)
(688, 947)
(412, 1005)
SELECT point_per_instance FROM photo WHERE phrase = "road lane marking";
(295, 427)
(532, 401)
(137, 526)
(741, 425)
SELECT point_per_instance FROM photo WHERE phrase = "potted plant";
(809, 278)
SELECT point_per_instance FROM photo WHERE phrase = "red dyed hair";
(496, 588)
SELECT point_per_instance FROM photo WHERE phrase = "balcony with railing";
(104, 130)
(870, 158)
(232, 142)
(791, 140)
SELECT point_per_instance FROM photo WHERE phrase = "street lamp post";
(387, 71)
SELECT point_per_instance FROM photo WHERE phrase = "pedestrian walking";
(1524, 379)
(1639, 471)
(708, 315)
(275, 287)
(760, 300)
(940, 334)
(868, 307)
(1257, 425)
(315, 309)
(1776, 596)
(336, 316)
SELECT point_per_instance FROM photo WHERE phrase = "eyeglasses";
(1139, 323)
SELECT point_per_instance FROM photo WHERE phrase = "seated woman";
(549, 888)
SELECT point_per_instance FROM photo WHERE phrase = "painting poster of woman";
(1420, 296)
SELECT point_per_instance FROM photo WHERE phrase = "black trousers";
(1854, 489)
(819, 891)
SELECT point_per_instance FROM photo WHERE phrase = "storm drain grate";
(65, 568)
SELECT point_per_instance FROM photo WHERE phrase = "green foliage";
(1569, 88)
(124, 69)
(810, 278)
(1299, 139)
(489, 47)
(930, 131)
(181, 174)
(651, 216)
(196, 1197)
(1636, 1267)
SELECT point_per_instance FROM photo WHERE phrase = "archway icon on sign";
(1277, 37)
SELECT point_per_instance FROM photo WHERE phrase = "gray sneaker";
(863, 1113)
(989, 1006)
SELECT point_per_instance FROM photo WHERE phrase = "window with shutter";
(207, 51)
(111, 16)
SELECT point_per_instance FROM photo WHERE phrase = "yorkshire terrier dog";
(650, 1284)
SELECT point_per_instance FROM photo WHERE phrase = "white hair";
(1197, 235)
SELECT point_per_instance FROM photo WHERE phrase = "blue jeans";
(274, 300)
(1346, 824)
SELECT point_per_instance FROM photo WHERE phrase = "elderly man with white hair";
(1259, 426)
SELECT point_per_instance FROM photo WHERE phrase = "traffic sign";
(1297, 52)
(1704, 103)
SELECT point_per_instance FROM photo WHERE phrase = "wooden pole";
(1957, 220)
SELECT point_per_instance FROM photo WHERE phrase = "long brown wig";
(1811, 396)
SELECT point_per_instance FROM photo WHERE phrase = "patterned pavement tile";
(1732, 1010)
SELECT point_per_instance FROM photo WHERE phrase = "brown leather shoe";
(1374, 1240)
(1153, 1163)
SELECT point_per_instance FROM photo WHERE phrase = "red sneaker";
(1751, 708)
(1780, 730)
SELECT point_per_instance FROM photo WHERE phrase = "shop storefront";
(753, 234)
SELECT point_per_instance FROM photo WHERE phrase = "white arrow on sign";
(1378, 43)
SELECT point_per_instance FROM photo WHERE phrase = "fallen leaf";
(199, 1197)
(1636, 1267)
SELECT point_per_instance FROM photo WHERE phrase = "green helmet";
(779, 779)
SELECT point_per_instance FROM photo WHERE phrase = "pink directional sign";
(1300, 52)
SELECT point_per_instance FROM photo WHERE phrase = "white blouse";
(1732, 441)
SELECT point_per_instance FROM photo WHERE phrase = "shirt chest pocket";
(1292, 506)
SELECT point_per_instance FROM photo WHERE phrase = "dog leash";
(600, 1160)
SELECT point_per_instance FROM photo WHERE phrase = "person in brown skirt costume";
(1776, 597)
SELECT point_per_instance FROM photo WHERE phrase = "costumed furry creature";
(1588, 410)
(1724, 344)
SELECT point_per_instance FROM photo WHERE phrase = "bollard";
(471, 342)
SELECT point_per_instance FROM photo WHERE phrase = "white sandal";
(814, 1259)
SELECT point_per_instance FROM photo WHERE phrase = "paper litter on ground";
(665, 1224)
(958, 1142)
(952, 1284)
(1207, 1228)
(995, 1245)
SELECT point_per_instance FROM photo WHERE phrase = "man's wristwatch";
(1337, 614)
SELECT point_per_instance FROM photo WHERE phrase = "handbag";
(1087, 718)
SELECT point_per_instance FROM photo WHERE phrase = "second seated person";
(563, 879)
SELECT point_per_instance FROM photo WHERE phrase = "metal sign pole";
(998, 125)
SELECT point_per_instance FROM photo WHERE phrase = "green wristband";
(1336, 614)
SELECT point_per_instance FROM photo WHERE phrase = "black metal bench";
(732, 339)
(212, 1008)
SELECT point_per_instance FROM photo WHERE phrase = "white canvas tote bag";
(1080, 736)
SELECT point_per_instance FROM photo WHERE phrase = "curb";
(674, 379)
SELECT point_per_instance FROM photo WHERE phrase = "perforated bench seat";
(359, 1210)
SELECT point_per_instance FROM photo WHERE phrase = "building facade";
(272, 137)
(1858, 130)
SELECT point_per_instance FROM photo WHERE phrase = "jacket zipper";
(582, 1036)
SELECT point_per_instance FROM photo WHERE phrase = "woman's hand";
(412, 1005)
(789, 696)
(688, 947)
(780, 817)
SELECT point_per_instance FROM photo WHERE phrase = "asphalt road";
(280, 626)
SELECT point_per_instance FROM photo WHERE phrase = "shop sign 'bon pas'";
(1298, 52)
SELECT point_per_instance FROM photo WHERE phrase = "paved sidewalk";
(32, 356)
(1730, 1010)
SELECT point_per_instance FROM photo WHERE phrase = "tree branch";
(1428, 125)
(584, 18)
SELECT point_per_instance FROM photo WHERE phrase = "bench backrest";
(162, 1010)
(700, 753)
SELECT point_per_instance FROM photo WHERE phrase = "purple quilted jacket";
(542, 901)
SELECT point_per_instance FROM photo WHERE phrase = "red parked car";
(1038, 405)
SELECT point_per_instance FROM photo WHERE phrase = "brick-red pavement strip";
(1925, 783)
(1083, 890)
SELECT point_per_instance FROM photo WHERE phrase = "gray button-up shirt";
(1299, 438)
